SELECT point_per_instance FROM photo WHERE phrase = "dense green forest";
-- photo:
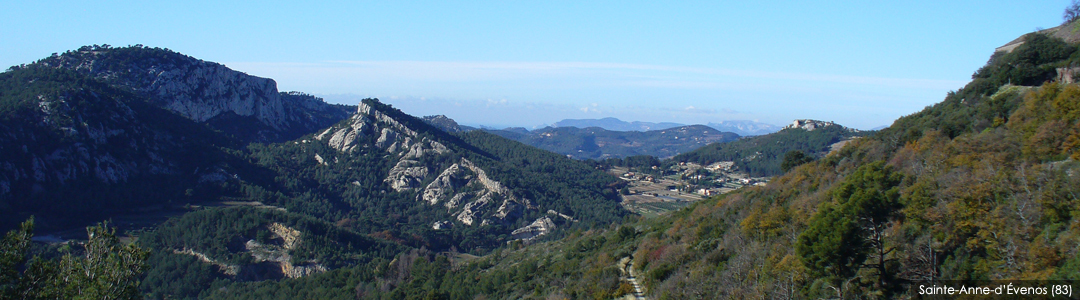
(75, 149)
(224, 234)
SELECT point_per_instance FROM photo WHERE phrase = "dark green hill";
(763, 155)
(216, 247)
(598, 143)
(75, 149)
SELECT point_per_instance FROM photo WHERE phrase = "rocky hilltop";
(463, 188)
(443, 122)
(1066, 32)
(809, 125)
(204, 91)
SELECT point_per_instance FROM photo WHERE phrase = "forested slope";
(983, 186)
(147, 133)
(763, 155)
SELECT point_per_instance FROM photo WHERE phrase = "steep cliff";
(204, 91)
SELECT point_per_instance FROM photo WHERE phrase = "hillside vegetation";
(763, 155)
(144, 134)
(381, 205)
(983, 186)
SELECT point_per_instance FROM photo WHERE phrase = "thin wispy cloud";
(573, 88)
(601, 73)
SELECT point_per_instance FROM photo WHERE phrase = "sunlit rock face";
(205, 91)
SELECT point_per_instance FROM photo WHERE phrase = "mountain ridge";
(405, 161)
(202, 91)
(599, 143)
(740, 127)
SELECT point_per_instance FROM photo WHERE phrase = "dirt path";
(626, 264)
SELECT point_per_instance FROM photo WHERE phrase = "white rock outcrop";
(808, 125)
(450, 189)
(291, 239)
(532, 231)
(201, 90)
(463, 188)
(224, 268)
(406, 175)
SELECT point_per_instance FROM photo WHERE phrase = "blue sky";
(518, 63)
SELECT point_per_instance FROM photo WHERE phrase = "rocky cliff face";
(463, 188)
(202, 91)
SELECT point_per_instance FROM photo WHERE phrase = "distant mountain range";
(615, 124)
(740, 127)
(600, 143)
(744, 127)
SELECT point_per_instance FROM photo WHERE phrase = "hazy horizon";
(526, 64)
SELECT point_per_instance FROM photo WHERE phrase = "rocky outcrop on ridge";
(538, 228)
(465, 183)
(462, 187)
(810, 125)
(443, 122)
(202, 91)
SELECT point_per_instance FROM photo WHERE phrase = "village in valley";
(655, 191)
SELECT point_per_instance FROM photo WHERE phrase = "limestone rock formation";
(538, 228)
(450, 187)
(810, 125)
(205, 91)
(462, 187)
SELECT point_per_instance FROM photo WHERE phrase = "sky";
(530, 63)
